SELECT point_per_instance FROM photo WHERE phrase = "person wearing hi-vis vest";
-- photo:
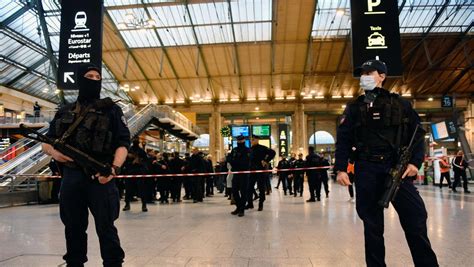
(444, 167)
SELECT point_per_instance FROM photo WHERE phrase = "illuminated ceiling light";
(336, 96)
(262, 98)
(151, 22)
(197, 96)
(191, 98)
(251, 99)
(430, 99)
(234, 100)
(137, 87)
(279, 98)
(406, 95)
(340, 12)
(320, 93)
(312, 92)
(223, 100)
(122, 26)
(257, 108)
(257, 118)
(308, 97)
(343, 106)
(422, 114)
(303, 93)
(179, 101)
(169, 102)
(319, 97)
(129, 17)
(195, 101)
(290, 98)
(348, 96)
(207, 100)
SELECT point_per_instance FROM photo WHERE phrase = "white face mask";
(367, 82)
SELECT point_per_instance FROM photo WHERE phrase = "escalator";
(33, 160)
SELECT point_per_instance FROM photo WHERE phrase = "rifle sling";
(76, 123)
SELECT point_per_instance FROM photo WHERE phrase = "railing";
(33, 159)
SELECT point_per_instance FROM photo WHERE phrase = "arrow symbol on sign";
(67, 76)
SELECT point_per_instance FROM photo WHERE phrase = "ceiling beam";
(25, 68)
(452, 84)
(116, 31)
(49, 48)
(165, 52)
(425, 34)
(236, 53)
(201, 54)
(28, 70)
(272, 45)
(27, 6)
(464, 38)
(309, 42)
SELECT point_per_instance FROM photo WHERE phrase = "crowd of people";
(241, 188)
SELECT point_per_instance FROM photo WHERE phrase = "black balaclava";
(88, 89)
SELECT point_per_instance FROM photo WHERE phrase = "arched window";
(322, 138)
(202, 141)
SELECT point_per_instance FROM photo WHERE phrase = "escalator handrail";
(21, 143)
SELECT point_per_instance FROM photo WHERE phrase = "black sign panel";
(376, 33)
(447, 101)
(283, 139)
(80, 39)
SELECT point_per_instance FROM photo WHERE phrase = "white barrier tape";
(179, 174)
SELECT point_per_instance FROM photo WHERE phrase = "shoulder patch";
(124, 120)
(343, 118)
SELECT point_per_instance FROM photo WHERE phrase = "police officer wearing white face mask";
(377, 124)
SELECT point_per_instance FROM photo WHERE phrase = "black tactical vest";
(94, 134)
(380, 128)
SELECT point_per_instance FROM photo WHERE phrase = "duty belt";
(382, 158)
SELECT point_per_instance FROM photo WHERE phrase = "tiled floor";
(289, 232)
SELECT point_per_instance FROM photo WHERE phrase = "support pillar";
(299, 130)
(216, 142)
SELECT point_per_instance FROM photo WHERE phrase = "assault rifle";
(83, 160)
(394, 178)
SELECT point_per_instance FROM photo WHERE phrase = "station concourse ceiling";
(203, 51)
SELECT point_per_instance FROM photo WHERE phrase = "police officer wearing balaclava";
(377, 124)
(102, 132)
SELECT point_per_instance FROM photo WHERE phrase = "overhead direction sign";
(80, 39)
(376, 34)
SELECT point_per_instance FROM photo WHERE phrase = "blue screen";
(247, 143)
(240, 130)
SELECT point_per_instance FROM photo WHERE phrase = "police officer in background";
(103, 133)
(312, 160)
(239, 159)
(377, 124)
(283, 175)
(260, 157)
(197, 165)
(298, 175)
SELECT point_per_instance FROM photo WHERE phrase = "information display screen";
(240, 130)
(261, 130)
(247, 143)
(439, 130)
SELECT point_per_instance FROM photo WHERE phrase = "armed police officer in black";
(378, 124)
(239, 159)
(260, 157)
(312, 160)
(97, 127)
